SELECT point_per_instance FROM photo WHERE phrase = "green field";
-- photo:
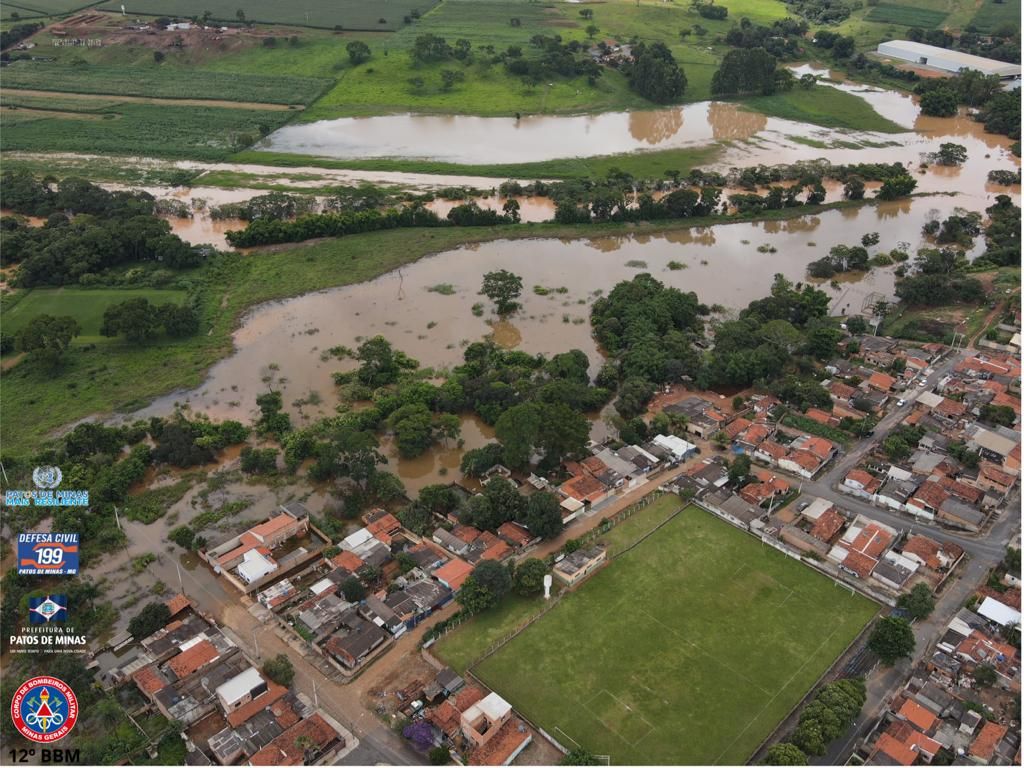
(162, 82)
(991, 15)
(376, 15)
(201, 133)
(907, 15)
(688, 649)
(86, 305)
(465, 644)
(823, 105)
(28, 9)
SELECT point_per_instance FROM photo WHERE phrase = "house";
(821, 417)
(703, 418)
(516, 535)
(736, 426)
(585, 489)
(881, 382)
(828, 524)
(965, 493)
(383, 526)
(802, 463)
(679, 449)
(999, 613)
(994, 480)
(453, 573)
(917, 716)
(247, 693)
(927, 500)
(769, 452)
(360, 640)
(930, 553)
(860, 482)
(983, 748)
(894, 571)
(896, 493)
(800, 539)
(841, 392)
(350, 561)
(960, 515)
(765, 490)
(254, 545)
(576, 566)
(450, 541)
(308, 742)
(862, 546)
(496, 736)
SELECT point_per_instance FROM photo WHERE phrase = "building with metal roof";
(945, 60)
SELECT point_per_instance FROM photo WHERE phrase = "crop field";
(379, 15)
(27, 9)
(85, 305)
(201, 133)
(907, 15)
(163, 82)
(687, 649)
(991, 15)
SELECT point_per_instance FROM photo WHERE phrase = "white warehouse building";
(946, 60)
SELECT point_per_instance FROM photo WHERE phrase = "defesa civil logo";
(44, 709)
(48, 554)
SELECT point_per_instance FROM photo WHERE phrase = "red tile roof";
(497, 551)
(594, 464)
(819, 446)
(584, 488)
(805, 459)
(897, 751)
(177, 604)
(196, 657)
(754, 434)
(924, 548)
(828, 524)
(992, 473)
(872, 540)
(454, 573)
(881, 381)
(384, 527)
(985, 743)
(931, 494)
(350, 561)
(502, 745)
(918, 715)
(514, 534)
(866, 479)
(860, 564)
(272, 526)
(149, 680)
(772, 449)
(733, 428)
(466, 533)
(818, 415)
(842, 391)
(968, 493)
(261, 702)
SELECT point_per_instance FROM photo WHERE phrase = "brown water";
(488, 140)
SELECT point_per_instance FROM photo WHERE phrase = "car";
(922, 383)
(900, 403)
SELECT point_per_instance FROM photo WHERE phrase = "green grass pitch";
(688, 649)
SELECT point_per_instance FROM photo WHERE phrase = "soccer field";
(688, 649)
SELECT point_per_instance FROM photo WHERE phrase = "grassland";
(653, 661)
(645, 164)
(906, 15)
(30, 9)
(329, 14)
(991, 15)
(86, 305)
(160, 82)
(823, 105)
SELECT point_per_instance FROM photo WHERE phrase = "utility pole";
(256, 643)
(181, 584)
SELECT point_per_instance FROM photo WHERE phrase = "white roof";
(255, 566)
(321, 586)
(1001, 614)
(492, 706)
(239, 685)
(956, 58)
(960, 626)
(193, 641)
(994, 442)
(571, 504)
(676, 445)
(354, 540)
(930, 399)
(1015, 340)
(902, 561)
(816, 508)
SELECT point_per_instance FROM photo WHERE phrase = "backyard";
(656, 659)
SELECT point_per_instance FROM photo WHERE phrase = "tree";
(543, 515)
(158, 56)
(739, 469)
(892, 639)
(474, 597)
(183, 536)
(240, 15)
(136, 319)
(439, 756)
(503, 288)
(939, 102)
(178, 320)
(494, 577)
(854, 188)
(578, 756)
(654, 73)
(985, 675)
(46, 338)
(784, 754)
(745, 70)
(918, 602)
(280, 670)
(896, 187)
(449, 77)
(592, 30)
(358, 52)
(856, 325)
(353, 590)
(152, 617)
(951, 154)
(529, 577)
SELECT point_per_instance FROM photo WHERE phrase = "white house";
(1003, 615)
(679, 448)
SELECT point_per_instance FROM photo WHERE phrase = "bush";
(280, 670)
